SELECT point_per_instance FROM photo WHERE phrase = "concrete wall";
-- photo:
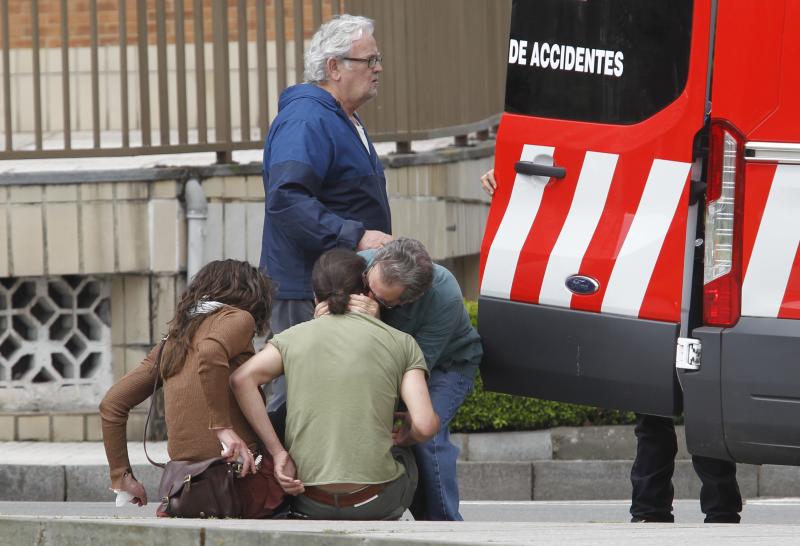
(128, 229)
(91, 228)
(440, 204)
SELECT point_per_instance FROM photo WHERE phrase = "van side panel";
(702, 399)
(755, 85)
(761, 390)
(597, 357)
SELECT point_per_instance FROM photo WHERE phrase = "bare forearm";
(423, 435)
(423, 420)
(252, 405)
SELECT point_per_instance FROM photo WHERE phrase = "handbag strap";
(152, 402)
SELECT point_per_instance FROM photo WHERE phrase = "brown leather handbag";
(199, 489)
(194, 489)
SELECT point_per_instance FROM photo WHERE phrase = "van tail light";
(722, 274)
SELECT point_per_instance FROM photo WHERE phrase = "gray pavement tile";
(31, 483)
(747, 476)
(60, 453)
(78, 532)
(603, 443)
(495, 481)
(510, 446)
(592, 443)
(581, 480)
(778, 481)
(91, 482)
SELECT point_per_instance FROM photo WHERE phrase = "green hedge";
(490, 411)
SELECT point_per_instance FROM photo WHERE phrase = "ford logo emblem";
(582, 285)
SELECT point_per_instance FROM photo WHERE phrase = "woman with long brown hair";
(211, 335)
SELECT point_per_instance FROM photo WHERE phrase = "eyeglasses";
(371, 61)
(368, 290)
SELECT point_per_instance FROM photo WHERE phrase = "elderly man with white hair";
(323, 181)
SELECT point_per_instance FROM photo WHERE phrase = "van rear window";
(603, 61)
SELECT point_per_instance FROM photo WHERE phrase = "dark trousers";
(285, 314)
(651, 476)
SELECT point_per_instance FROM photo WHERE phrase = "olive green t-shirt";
(343, 375)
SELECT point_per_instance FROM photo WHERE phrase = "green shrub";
(491, 411)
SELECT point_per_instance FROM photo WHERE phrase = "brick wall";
(108, 16)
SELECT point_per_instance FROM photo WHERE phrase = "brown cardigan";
(197, 399)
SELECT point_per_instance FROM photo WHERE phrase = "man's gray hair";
(334, 39)
(405, 261)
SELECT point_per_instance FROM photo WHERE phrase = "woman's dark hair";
(231, 282)
(337, 274)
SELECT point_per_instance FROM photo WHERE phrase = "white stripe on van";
(584, 214)
(770, 265)
(526, 196)
(637, 257)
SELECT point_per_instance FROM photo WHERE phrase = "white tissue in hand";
(123, 497)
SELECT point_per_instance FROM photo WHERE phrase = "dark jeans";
(651, 476)
(437, 495)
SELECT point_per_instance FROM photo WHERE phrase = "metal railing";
(131, 77)
(445, 66)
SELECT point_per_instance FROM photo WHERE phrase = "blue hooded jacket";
(322, 188)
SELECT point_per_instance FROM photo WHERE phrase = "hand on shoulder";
(373, 239)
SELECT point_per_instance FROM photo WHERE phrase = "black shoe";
(637, 519)
(723, 519)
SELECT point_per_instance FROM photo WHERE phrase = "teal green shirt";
(439, 323)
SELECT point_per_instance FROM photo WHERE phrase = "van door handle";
(536, 169)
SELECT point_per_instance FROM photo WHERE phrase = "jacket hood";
(307, 91)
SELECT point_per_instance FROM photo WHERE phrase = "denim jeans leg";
(437, 457)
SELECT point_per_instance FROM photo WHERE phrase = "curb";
(502, 481)
(561, 443)
(565, 463)
(74, 532)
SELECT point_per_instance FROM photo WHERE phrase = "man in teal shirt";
(424, 300)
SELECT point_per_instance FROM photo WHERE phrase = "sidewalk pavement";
(566, 463)
(65, 531)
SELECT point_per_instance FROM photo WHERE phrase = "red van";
(647, 217)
